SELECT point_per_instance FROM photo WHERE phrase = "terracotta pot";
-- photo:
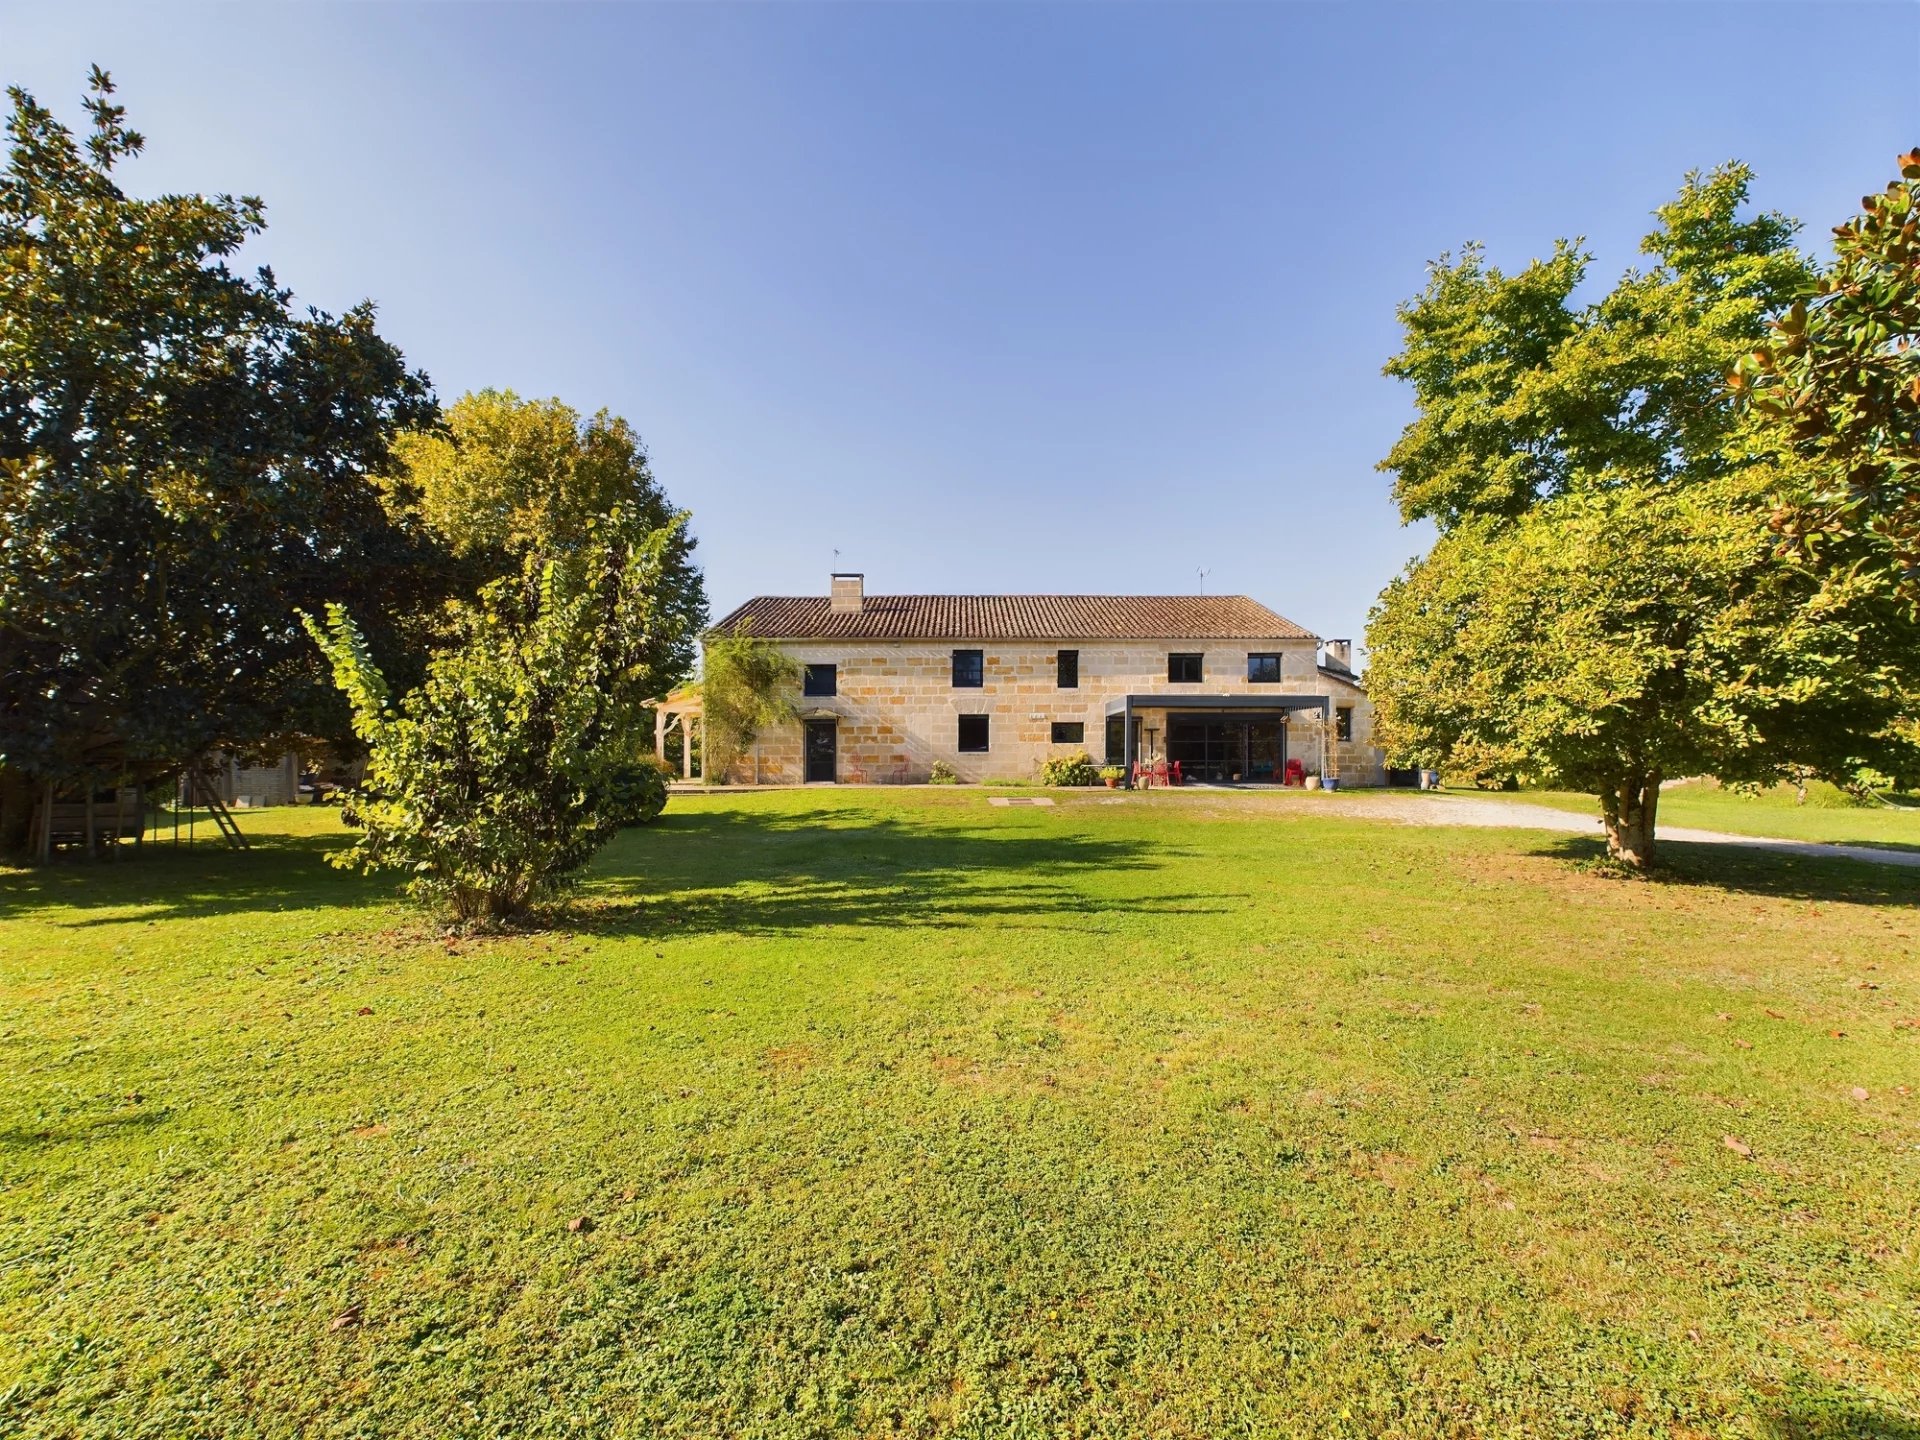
(1112, 782)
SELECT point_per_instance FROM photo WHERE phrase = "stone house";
(994, 685)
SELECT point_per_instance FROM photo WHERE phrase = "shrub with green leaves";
(495, 782)
(639, 790)
(1075, 769)
(943, 774)
(747, 686)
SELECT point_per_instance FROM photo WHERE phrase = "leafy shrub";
(494, 782)
(943, 774)
(746, 686)
(1075, 769)
(637, 792)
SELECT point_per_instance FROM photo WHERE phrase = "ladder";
(202, 790)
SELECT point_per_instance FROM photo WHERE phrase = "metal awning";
(1126, 704)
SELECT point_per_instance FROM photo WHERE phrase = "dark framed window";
(973, 733)
(1343, 722)
(1069, 732)
(969, 670)
(1067, 671)
(1183, 669)
(820, 680)
(1263, 669)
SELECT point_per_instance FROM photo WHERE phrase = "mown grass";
(1828, 816)
(896, 1113)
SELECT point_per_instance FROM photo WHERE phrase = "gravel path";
(1419, 809)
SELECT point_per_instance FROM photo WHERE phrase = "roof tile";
(1015, 617)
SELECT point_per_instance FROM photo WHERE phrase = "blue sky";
(1065, 298)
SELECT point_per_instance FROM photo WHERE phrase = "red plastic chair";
(1296, 772)
(1176, 776)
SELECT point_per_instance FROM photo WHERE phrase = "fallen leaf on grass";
(364, 1010)
(346, 1319)
(1737, 1145)
(1743, 1044)
(1776, 1014)
(580, 1225)
(1859, 1092)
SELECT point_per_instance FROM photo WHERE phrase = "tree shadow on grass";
(1753, 871)
(163, 881)
(754, 873)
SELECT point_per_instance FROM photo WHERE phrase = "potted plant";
(1112, 774)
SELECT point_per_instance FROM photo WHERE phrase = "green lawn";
(1828, 816)
(893, 1113)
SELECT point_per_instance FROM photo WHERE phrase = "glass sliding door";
(1229, 750)
(1266, 751)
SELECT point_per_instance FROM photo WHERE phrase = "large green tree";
(1603, 608)
(185, 460)
(508, 484)
(495, 781)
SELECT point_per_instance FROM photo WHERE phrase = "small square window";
(1263, 669)
(1069, 732)
(1183, 669)
(1067, 672)
(1343, 722)
(821, 680)
(973, 734)
(969, 670)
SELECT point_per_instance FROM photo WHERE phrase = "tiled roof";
(1016, 617)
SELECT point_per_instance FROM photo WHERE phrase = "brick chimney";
(848, 594)
(1340, 654)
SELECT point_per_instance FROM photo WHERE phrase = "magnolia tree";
(1837, 381)
(1604, 608)
(185, 462)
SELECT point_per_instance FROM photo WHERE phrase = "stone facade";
(896, 709)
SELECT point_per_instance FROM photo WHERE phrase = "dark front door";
(822, 751)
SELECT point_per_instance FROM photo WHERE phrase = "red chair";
(1296, 772)
(1176, 777)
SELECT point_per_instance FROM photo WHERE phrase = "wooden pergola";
(681, 707)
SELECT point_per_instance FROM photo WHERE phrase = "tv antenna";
(1204, 572)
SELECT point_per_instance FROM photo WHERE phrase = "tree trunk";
(1629, 809)
(18, 795)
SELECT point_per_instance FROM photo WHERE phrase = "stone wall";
(897, 710)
